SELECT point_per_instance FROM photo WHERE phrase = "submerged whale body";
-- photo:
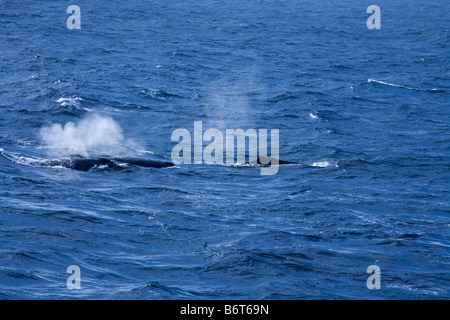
(80, 163)
(270, 161)
(83, 164)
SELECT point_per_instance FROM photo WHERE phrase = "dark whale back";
(85, 164)
(145, 162)
(270, 161)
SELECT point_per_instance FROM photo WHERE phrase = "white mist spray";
(94, 135)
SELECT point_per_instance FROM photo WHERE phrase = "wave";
(321, 164)
(160, 94)
(434, 90)
(390, 84)
(69, 101)
(29, 160)
(284, 96)
(314, 115)
(352, 163)
(72, 103)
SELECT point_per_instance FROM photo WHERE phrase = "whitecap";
(73, 103)
(313, 116)
(69, 101)
(99, 168)
(24, 160)
(390, 84)
(321, 164)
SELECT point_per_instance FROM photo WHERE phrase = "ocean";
(364, 114)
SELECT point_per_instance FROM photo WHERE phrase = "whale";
(80, 163)
(119, 163)
(265, 161)
(86, 164)
(146, 163)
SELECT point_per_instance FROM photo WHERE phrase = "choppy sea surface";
(365, 113)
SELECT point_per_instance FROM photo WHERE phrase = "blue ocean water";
(366, 113)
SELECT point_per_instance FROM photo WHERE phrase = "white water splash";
(24, 160)
(72, 103)
(69, 101)
(321, 164)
